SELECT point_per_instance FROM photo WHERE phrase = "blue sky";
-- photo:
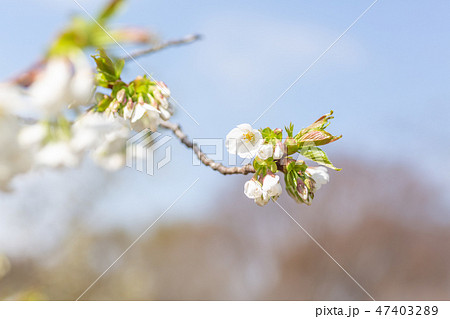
(387, 80)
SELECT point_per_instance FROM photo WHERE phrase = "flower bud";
(165, 114)
(128, 110)
(302, 190)
(278, 131)
(291, 145)
(120, 95)
(113, 106)
(318, 138)
(279, 151)
(309, 182)
(164, 89)
(152, 100)
(319, 175)
(265, 151)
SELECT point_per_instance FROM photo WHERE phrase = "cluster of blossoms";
(272, 153)
(60, 144)
(60, 83)
(44, 120)
(58, 136)
(143, 102)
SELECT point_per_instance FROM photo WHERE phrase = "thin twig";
(186, 40)
(27, 77)
(176, 129)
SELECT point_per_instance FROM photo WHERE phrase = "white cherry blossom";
(262, 193)
(105, 136)
(265, 151)
(244, 141)
(57, 154)
(319, 175)
(32, 135)
(145, 116)
(63, 82)
(271, 186)
(111, 152)
(253, 189)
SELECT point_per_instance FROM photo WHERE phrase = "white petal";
(265, 151)
(51, 91)
(150, 108)
(32, 135)
(127, 112)
(252, 189)
(278, 153)
(319, 174)
(139, 111)
(245, 127)
(262, 200)
(247, 150)
(82, 86)
(232, 140)
(57, 154)
(271, 186)
(235, 134)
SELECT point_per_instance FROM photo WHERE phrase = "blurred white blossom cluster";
(41, 127)
(50, 116)
(63, 82)
(271, 153)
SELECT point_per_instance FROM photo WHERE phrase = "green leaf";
(118, 85)
(266, 133)
(101, 80)
(109, 10)
(291, 166)
(291, 145)
(103, 104)
(300, 166)
(317, 155)
(104, 63)
(270, 136)
(108, 71)
(118, 66)
(256, 164)
(99, 97)
(273, 167)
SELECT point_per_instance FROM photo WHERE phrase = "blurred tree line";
(386, 226)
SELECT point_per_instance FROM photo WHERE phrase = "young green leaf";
(317, 155)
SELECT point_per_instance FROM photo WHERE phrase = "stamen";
(249, 136)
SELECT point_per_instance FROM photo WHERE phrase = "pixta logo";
(141, 150)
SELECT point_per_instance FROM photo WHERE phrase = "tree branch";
(27, 77)
(176, 129)
(186, 40)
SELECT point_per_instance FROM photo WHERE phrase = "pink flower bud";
(278, 131)
(120, 95)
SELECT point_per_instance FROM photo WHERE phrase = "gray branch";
(186, 40)
(176, 129)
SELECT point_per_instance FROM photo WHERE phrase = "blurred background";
(384, 217)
